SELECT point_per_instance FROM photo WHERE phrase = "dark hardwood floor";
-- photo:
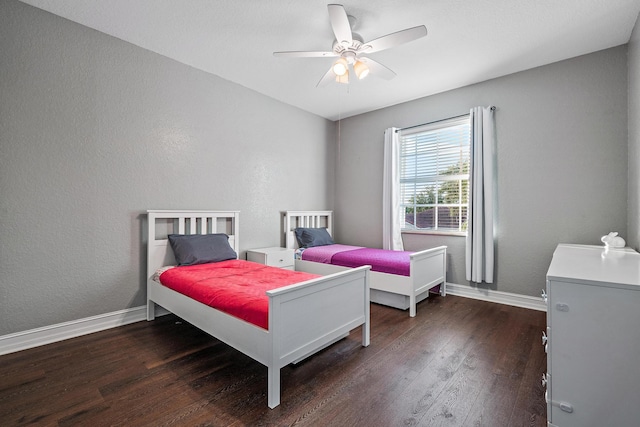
(459, 362)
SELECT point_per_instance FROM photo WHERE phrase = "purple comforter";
(384, 261)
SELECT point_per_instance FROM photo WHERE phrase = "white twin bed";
(428, 268)
(303, 317)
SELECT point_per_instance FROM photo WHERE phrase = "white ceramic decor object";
(612, 240)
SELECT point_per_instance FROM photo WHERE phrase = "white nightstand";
(275, 257)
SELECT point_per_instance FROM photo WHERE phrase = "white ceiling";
(468, 41)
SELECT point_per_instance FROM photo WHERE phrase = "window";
(434, 176)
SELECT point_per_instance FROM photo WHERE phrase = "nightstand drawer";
(274, 257)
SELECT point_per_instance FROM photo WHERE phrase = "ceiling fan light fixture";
(340, 67)
(344, 78)
(361, 69)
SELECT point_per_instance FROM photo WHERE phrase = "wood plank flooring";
(459, 362)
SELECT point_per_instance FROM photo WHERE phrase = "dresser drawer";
(274, 257)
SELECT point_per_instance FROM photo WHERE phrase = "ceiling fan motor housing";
(347, 50)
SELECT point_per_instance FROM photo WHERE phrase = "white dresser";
(593, 337)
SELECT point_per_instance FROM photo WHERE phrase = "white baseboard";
(75, 328)
(62, 331)
(517, 300)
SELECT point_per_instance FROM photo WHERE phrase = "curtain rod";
(493, 108)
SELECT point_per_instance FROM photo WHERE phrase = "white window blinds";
(434, 176)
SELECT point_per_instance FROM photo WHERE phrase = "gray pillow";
(309, 237)
(194, 249)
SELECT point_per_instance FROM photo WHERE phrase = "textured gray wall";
(561, 161)
(94, 131)
(633, 232)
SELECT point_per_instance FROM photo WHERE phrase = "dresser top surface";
(596, 264)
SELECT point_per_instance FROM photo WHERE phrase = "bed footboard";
(429, 268)
(306, 317)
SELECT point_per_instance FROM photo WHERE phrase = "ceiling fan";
(349, 47)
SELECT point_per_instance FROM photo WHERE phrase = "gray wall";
(94, 131)
(633, 236)
(561, 160)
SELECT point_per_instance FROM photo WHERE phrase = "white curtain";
(480, 244)
(391, 221)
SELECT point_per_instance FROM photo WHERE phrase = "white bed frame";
(303, 318)
(428, 268)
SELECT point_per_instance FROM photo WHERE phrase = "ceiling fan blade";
(340, 23)
(328, 77)
(302, 54)
(394, 39)
(377, 69)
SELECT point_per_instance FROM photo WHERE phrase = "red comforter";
(236, 287)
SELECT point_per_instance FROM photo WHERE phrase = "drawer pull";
(544, 338)
(564, 406)
(562, 307)
(544, 380)
(544, 295)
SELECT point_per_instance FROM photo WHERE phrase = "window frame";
(437, 179)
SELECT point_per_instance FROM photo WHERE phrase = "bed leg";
(151, 310)
(366, 330)
(366, 334)
(366, 326)
(273, 387)
(412, 306)
(443, 288)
